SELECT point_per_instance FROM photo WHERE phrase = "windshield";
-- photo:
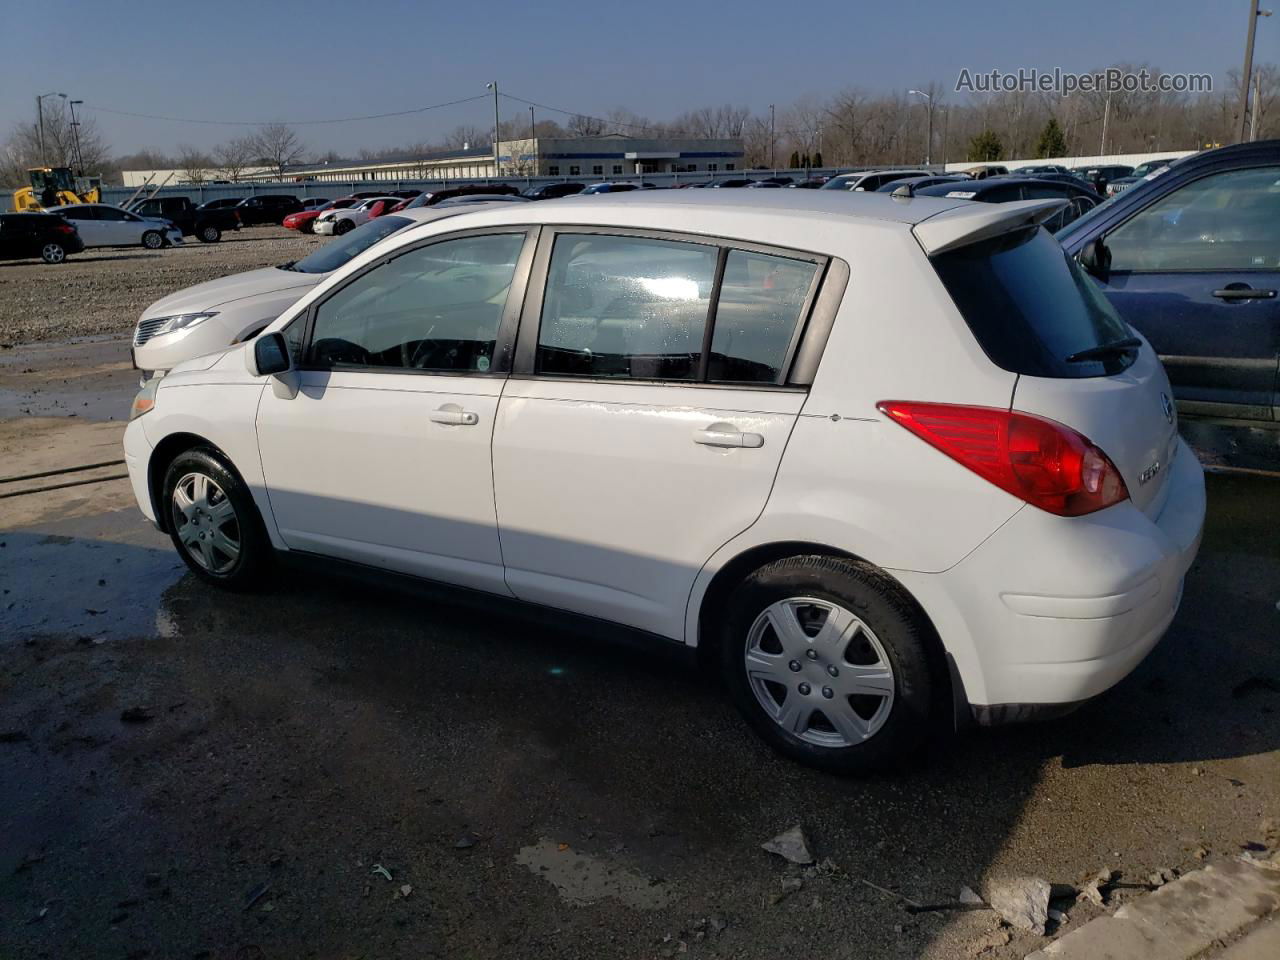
(350, 245)
(1030, 306)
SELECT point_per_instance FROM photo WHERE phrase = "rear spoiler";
(972, 222)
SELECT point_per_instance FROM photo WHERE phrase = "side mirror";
(1096, 259)
(270, 355)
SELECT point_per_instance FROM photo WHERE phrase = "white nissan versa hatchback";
(880, 457)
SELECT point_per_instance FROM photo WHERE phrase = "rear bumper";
(1050, 611)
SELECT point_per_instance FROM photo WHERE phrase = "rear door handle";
(1244, 293)
(457, 418)
(727, 438)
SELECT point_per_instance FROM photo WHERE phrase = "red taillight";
(66, 228)
(1043, 462)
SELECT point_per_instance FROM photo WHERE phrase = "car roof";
(994, 183)
(674, 209)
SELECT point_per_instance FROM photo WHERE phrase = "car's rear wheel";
(213, 521)
(827, 659)
(53, 253)
(343, 226)
(210, 234)
(153, 240)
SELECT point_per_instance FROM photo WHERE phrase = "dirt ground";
(339, 768)
(102, 291)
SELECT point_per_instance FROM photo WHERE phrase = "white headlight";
(184, 320)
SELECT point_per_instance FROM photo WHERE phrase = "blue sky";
(234, 60)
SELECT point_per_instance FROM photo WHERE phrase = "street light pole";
(1106, 115)
(1247, 78)
(497, 163)
(928, 150)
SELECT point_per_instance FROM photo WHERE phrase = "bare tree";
(22, 148)
(235, 156)
(583, 126)
(194, 163)
(466, 136)
(279, 146)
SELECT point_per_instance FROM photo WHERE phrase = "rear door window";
(1031, 307)
(762, 298)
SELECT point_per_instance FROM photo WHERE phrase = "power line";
(295, 123)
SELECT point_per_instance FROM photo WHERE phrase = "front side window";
(1226, 221)
(434, 308)
(625, 307)
(761, 299)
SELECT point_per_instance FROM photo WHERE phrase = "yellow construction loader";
(55, 187)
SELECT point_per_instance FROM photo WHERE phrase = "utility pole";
(1247, 78)
(928, 150)
(44, 160)
(75, 131)
(1257, 107)
(497, 163)
(773, 160)
(533, 127)
(1106, 115)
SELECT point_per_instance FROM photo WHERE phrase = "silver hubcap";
(819, 672)
(53, 253)
(206, 523)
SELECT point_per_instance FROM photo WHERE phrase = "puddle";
(583, 879)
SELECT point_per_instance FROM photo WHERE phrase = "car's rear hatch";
(1037, 314)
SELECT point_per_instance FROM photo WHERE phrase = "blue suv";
(1191, 259)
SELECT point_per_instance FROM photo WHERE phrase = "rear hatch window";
(1032, 308)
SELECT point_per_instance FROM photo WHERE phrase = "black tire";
(255, 552)
(153, 239)
(343, 226)
(897, 724)
(53, 253)
(209, 233)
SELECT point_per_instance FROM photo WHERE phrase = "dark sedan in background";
(45, 235)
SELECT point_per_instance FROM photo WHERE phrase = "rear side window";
(1030, 306)
(757, 315)
(639, 308)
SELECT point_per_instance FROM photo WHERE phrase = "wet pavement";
(189, 773)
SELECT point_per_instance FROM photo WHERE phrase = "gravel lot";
(102, 291)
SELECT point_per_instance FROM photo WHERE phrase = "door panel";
(1198, 273)
(364, 466)
(611, 496)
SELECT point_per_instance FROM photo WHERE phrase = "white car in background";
(888, 462)
(106, 225)
(337, 222)
(210, 316)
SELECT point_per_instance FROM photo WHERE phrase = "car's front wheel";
(343, 226)
(53, 253)
(210, 234)
(213, 521)
(153, 239)
(827, 659)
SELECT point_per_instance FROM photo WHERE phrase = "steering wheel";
(333, 350)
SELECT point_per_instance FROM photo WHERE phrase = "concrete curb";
(1181, 919)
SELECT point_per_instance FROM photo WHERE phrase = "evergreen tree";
(817, 159)
(1052, 143)
(986, 146)
(795, 160)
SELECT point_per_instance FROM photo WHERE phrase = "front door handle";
(727, 438)
(455, 416)
(1243, 292)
